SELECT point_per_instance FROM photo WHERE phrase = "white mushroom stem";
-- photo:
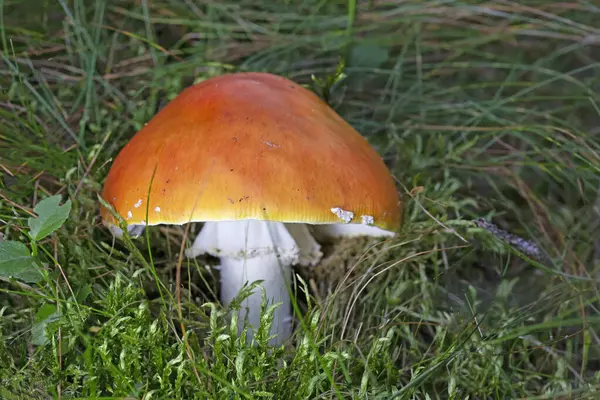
(235, 272)
(251, 250)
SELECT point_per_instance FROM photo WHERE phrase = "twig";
(524, 246)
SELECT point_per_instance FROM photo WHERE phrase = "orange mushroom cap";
(250, 146)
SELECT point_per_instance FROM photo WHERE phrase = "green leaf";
(45, 315)
(16, 262)
(51, 216)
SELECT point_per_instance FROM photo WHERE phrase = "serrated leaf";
(50, 217)
(16, 262)
(45, 315)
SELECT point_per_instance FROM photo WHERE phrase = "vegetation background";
(482, 109)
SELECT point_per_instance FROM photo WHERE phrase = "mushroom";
(259, 159)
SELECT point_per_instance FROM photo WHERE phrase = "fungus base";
(251, 250)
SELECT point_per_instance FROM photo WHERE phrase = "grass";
(482, 109)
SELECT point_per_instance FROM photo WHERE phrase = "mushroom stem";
(236, 272)
(251, 250)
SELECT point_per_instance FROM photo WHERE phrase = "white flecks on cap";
(342, 214)
(367, 219)
(157, 209)
(129, 214)
(139, 203)
(271, 144)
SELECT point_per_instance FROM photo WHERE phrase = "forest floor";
(483, 111)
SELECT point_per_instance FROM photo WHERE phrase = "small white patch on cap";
(157, 209)
(271, 144)
(342, 214)
(139, 203)
(367, 219)
(129, 214)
